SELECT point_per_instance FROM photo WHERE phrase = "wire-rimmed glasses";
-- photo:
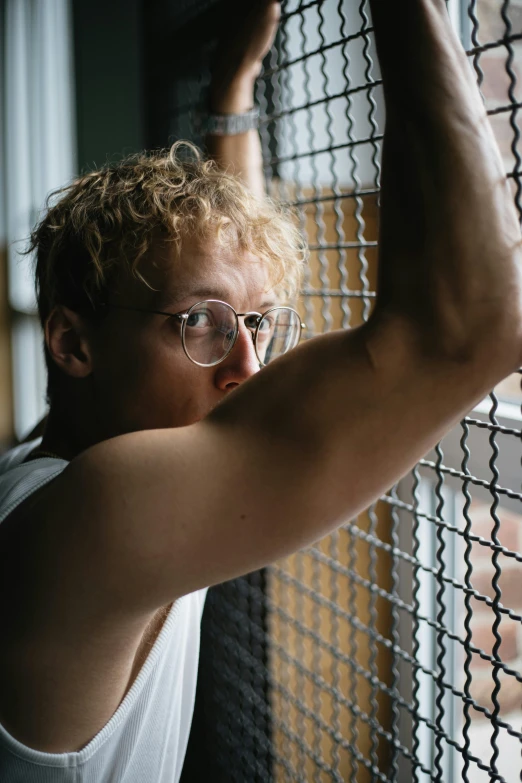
(209, 330)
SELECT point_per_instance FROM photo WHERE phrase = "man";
(153, 482)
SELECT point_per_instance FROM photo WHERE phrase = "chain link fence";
(391, 650)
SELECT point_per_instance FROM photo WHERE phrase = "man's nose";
(240, 364)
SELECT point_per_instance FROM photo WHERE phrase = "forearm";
(241, 153)
(450, 239)
(248, 37)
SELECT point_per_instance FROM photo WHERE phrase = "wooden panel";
(326, 265)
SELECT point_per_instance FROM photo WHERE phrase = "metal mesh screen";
(392, 650)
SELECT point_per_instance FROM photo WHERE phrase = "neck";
(60, 439)
(70, 428)
(55, 442)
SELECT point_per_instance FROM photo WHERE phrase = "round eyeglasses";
(209, 330)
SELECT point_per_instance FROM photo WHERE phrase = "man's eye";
(199, 321)
(267, 325)
(251, 322)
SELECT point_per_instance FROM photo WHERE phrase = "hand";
(240, 55)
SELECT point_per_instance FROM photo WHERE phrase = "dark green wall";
(109, 79)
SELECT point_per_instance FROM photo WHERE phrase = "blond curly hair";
(109, 220)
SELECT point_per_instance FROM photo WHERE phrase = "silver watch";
(231, 124)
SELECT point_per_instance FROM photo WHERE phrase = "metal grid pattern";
(392, 650)
(377, 632)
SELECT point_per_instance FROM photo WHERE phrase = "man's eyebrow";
(171, 300)
(267, 304)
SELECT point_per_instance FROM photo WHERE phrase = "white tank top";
(146, 738)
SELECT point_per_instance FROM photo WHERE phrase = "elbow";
(504, 341)
(479, 316)
(490, 337)
(487, 337)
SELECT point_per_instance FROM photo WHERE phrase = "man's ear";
(68, 343)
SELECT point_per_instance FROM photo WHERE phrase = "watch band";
(231, 124)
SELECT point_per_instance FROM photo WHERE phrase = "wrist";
(236, 97)
(232, 124)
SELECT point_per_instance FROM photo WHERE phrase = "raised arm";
(319, 434)
(450, 236)
(238, 62)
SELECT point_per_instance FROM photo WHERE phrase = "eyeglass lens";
(278, 332)
(210, 331)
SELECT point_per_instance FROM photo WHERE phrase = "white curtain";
(39, 152)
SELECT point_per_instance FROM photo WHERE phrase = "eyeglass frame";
(183, 316)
